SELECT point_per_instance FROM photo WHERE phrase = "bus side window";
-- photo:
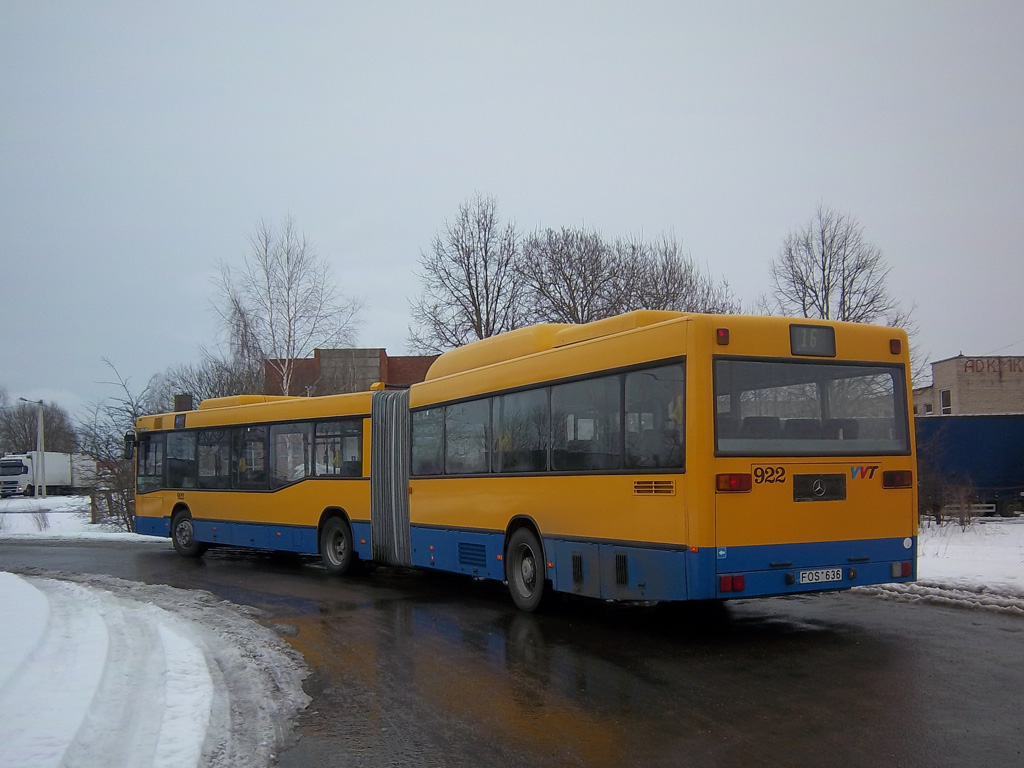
(655, 414)
(427, 443)
(249, 454)
(214, 458)
(289, 453)
(337, 448)
(181, 460)
(586, 419)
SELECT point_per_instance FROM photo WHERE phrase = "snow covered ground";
(97, 671)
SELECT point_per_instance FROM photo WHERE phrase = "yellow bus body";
(287, 518)
(789, 464)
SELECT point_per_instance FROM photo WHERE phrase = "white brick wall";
(976, 385)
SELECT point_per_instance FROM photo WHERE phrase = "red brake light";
(722, 335)
(897, 478)
(735, 482)
(736, 583)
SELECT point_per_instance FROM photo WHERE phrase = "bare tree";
(568, 276)
(102, 439)
(18, 424)
(283, 303)
(470, 290)
(660, 275)
(213, 376)
(829, 270)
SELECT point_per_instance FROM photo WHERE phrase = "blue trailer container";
(983, 454)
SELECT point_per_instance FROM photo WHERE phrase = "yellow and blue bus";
(281, 473)
(653, 456)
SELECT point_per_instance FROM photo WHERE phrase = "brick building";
(973, 385)
(333, 371)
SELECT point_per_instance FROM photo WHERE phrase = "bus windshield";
(797, 408)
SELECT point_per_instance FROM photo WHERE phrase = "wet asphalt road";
(432, 670)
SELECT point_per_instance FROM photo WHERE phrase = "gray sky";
(141, 143)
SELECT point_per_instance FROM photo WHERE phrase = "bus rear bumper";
(800, 568)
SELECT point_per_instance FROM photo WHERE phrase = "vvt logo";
(863, 473)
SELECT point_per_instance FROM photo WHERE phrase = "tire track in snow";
(46, 700)
(128, 674)
(978, 598)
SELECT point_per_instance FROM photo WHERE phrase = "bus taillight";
(904, 569)
(734, 583)
(897, 478)
(734, 482)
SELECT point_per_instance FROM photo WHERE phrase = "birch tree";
(283, 302)
(829, 270)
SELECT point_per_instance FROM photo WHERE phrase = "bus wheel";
(524, 570)
(183, 534)
(336, 546)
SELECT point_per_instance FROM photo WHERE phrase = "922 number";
(769, 475)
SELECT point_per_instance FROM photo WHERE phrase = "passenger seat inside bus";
(761, 427)
(840, 429)
(802, 429)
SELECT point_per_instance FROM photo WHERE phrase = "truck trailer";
(976, 457)
(21, 474)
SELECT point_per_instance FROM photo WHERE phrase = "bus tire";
(524, 570)
(183, 536)
(336, 546)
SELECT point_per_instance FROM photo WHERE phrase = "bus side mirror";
(129, 445)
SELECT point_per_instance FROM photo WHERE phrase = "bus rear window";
(795, 408)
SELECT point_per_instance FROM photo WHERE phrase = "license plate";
(820, 575)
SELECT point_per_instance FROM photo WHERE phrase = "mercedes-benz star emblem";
(819, 487)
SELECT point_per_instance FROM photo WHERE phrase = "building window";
(927, 409)
(946, 402)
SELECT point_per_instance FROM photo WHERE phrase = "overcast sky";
(140, 144)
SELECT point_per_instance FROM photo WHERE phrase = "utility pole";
(40, 473)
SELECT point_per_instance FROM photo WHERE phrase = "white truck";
(65, 473)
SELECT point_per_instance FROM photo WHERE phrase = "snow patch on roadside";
(978, 598)
(148, 676)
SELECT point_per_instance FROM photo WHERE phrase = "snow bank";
(979, 566)
(99, 671)
(56, 517)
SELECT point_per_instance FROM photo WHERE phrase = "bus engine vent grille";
(474, 555)
(654, 487)
(577, 568)
(622, 569)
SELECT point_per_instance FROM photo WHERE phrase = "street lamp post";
(39, 474)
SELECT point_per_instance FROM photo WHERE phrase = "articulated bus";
(653, 456)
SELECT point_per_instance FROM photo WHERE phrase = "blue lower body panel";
(284, 538)
(776, 569)
(475, 553)
(624, 571)
(153, 526)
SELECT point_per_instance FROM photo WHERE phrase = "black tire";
(336, 546)
(183, 536)
(1011, 508)
(524, 570)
